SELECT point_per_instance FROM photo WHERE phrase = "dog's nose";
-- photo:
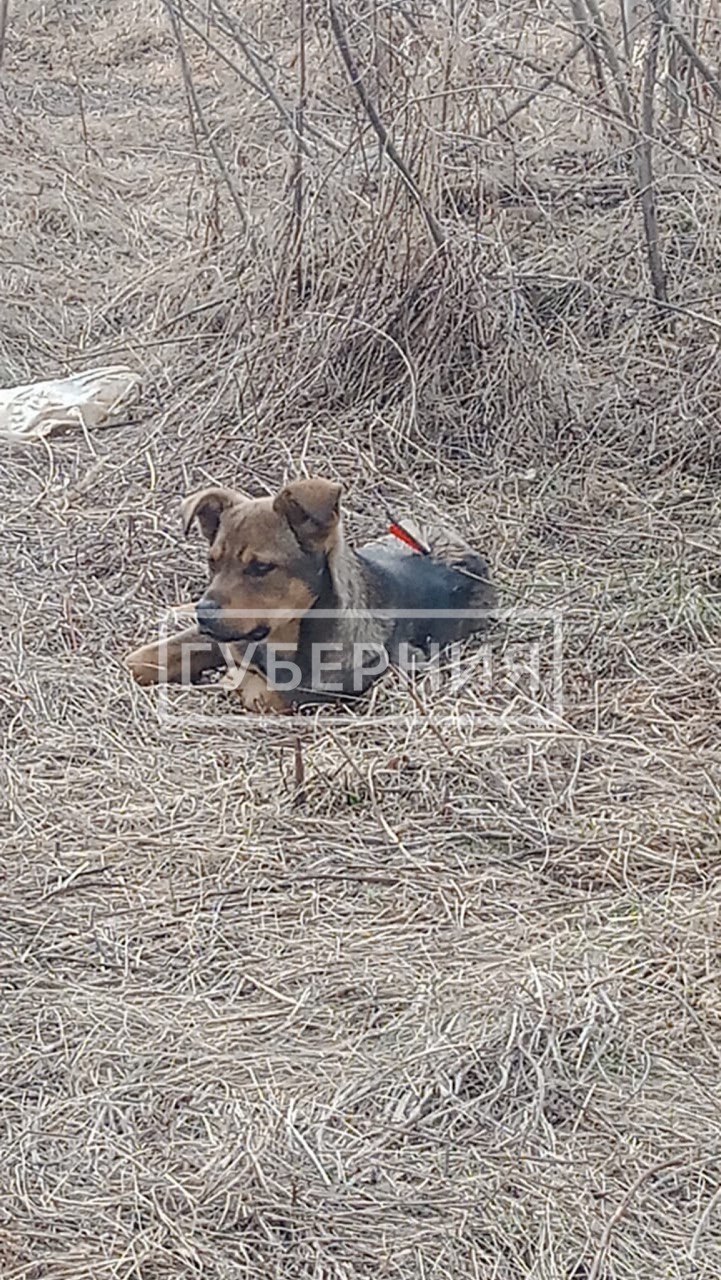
(207, 613)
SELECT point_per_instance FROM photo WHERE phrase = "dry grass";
(456, 1013)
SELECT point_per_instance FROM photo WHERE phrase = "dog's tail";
(481, 591)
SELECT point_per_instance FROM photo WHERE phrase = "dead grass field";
(454, 1010)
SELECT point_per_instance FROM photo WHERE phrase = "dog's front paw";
(143, 665)
(255, 694)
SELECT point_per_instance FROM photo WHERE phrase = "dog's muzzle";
(214, 621)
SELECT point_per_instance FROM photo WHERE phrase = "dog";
(297, 616)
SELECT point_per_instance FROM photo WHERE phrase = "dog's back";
(447, 596)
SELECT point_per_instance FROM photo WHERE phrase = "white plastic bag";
(84, 399)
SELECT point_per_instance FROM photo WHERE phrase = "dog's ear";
(312, 509)
(206, 506)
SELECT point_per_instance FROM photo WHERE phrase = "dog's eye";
(257, 569)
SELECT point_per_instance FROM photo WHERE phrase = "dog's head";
(268, 557)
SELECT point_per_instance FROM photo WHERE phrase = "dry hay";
(454, 1008)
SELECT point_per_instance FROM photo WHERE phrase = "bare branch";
(615, 67)
(645, 167)
(436, 232)
(4, 10)
(232, 30)
(298, 176)
(284, 113)
(551, 78)
(712, 80)
(616, 1216)
(583, 25)
(197, 108)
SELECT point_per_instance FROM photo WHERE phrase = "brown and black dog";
(308, 618)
